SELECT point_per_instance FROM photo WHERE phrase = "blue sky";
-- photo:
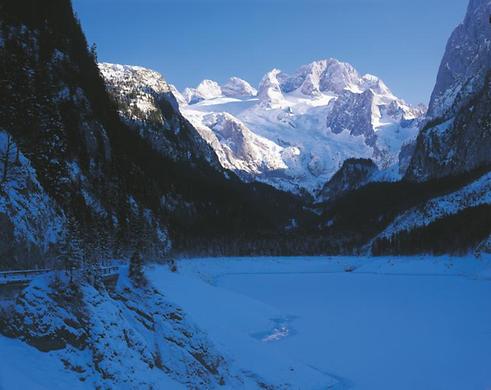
(401, 41)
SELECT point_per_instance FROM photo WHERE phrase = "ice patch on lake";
(281, 329)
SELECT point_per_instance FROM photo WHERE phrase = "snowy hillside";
(129, 338)
(297, 130)
(134, 337)
(475, 194)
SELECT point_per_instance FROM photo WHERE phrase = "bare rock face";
(328, 75)
(353, 112)
(67, 139)
(405, 156)
(457, 138)
(459, 145)
(466, 62)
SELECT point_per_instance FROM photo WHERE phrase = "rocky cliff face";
(457, 138)
(444, 205)
(456, 146)
(31, 222)
(145, 101)
(466, 62)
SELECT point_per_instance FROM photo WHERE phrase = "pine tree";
(104, 251)
(136, 269)
(92, 267)
(72, 256)
(6, 157)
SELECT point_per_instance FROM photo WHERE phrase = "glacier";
(296, 131)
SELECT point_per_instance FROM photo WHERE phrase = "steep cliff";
(457, 138)
(125, 165)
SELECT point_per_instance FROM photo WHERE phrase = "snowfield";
(361, 323)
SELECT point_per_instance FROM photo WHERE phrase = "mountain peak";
(305, 124)
(238, 88)
(132, 74)
(457, 138)
(270, 92)
(328, 76)
(207, 89)
(465, 63)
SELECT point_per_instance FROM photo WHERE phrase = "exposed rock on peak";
(318, 116)
(457, 138)
(466, 61)
(145, 100)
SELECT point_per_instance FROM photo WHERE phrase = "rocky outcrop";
(31, 223)
(130, 337)
(352, 175)
(328, 75)
(353, 112)
(77, 157)
(239, 144)
(456, 146)
(405, 156)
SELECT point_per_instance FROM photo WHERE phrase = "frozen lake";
(367, 323)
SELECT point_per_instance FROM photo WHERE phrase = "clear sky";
(401, 41)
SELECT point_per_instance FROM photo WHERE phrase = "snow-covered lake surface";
(313, 323)
(405, 323)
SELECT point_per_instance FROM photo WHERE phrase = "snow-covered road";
(413, 323)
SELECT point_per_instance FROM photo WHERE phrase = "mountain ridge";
(324, 103)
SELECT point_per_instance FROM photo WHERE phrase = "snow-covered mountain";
(296, 130)
(208, 89)
(453, 146)
(145, 100)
